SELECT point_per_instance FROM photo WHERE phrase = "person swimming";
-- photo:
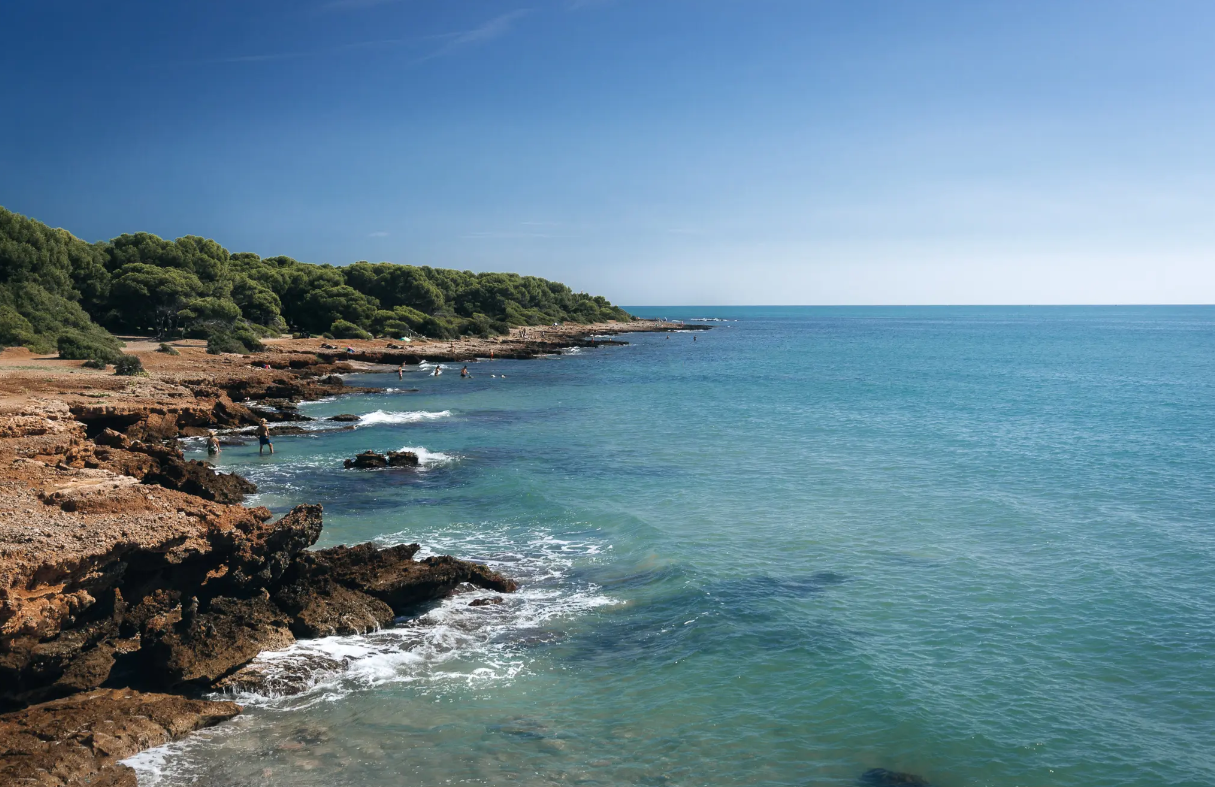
(263, 438)
(212, 444)
(438, 370)
(401, 372)
(464, 372)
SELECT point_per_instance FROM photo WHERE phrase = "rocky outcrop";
(81, 740)
(321, 607)
(370, 460)
(164, 617)
(155, 463)
(394, 577)
(202, 648)
(197, 478)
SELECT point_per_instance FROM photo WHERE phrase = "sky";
(653, 151)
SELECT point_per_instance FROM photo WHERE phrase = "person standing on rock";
(263, 438)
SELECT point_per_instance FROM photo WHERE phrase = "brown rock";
(222, 639)
(368, 460)
(196, 478)
(402, 459)
(322, 608)
(80, 740)
(394, 577)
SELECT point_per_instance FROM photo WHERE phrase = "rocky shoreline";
(131, 580)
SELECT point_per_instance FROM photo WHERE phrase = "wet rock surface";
(370, 460)
(394, 577)
(189, 618)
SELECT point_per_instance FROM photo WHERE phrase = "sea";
(974, 544)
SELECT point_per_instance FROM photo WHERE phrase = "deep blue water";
(969, 543)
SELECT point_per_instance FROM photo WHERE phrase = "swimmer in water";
(401, 372)
(212, 444)
(438, 370)
(464, 372)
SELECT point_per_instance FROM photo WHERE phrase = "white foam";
(452, 642)
(429, 459)
(408, 417)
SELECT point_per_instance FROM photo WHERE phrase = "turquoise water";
(969, 543)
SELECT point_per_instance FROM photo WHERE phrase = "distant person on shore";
(263, 438)
(464, 372)
(212, 444)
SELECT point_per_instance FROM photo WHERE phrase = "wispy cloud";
(488, 31)
(460, 39)
(380, 234)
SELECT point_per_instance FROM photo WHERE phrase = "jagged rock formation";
(81, 739)
(192, 611)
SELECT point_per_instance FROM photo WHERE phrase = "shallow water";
(970, 543)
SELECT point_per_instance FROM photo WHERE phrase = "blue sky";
(654, 151)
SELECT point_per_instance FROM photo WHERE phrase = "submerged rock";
(344, 417)
(880, 777)
(485, 602)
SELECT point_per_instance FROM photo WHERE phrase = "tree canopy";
(52, 285)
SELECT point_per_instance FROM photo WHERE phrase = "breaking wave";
(429, 459)
(408, 417)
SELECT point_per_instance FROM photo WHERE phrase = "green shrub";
(341, 329)
(238, 340)
(128, 366)
(93, 363)
(167, 349)
(78, 347)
